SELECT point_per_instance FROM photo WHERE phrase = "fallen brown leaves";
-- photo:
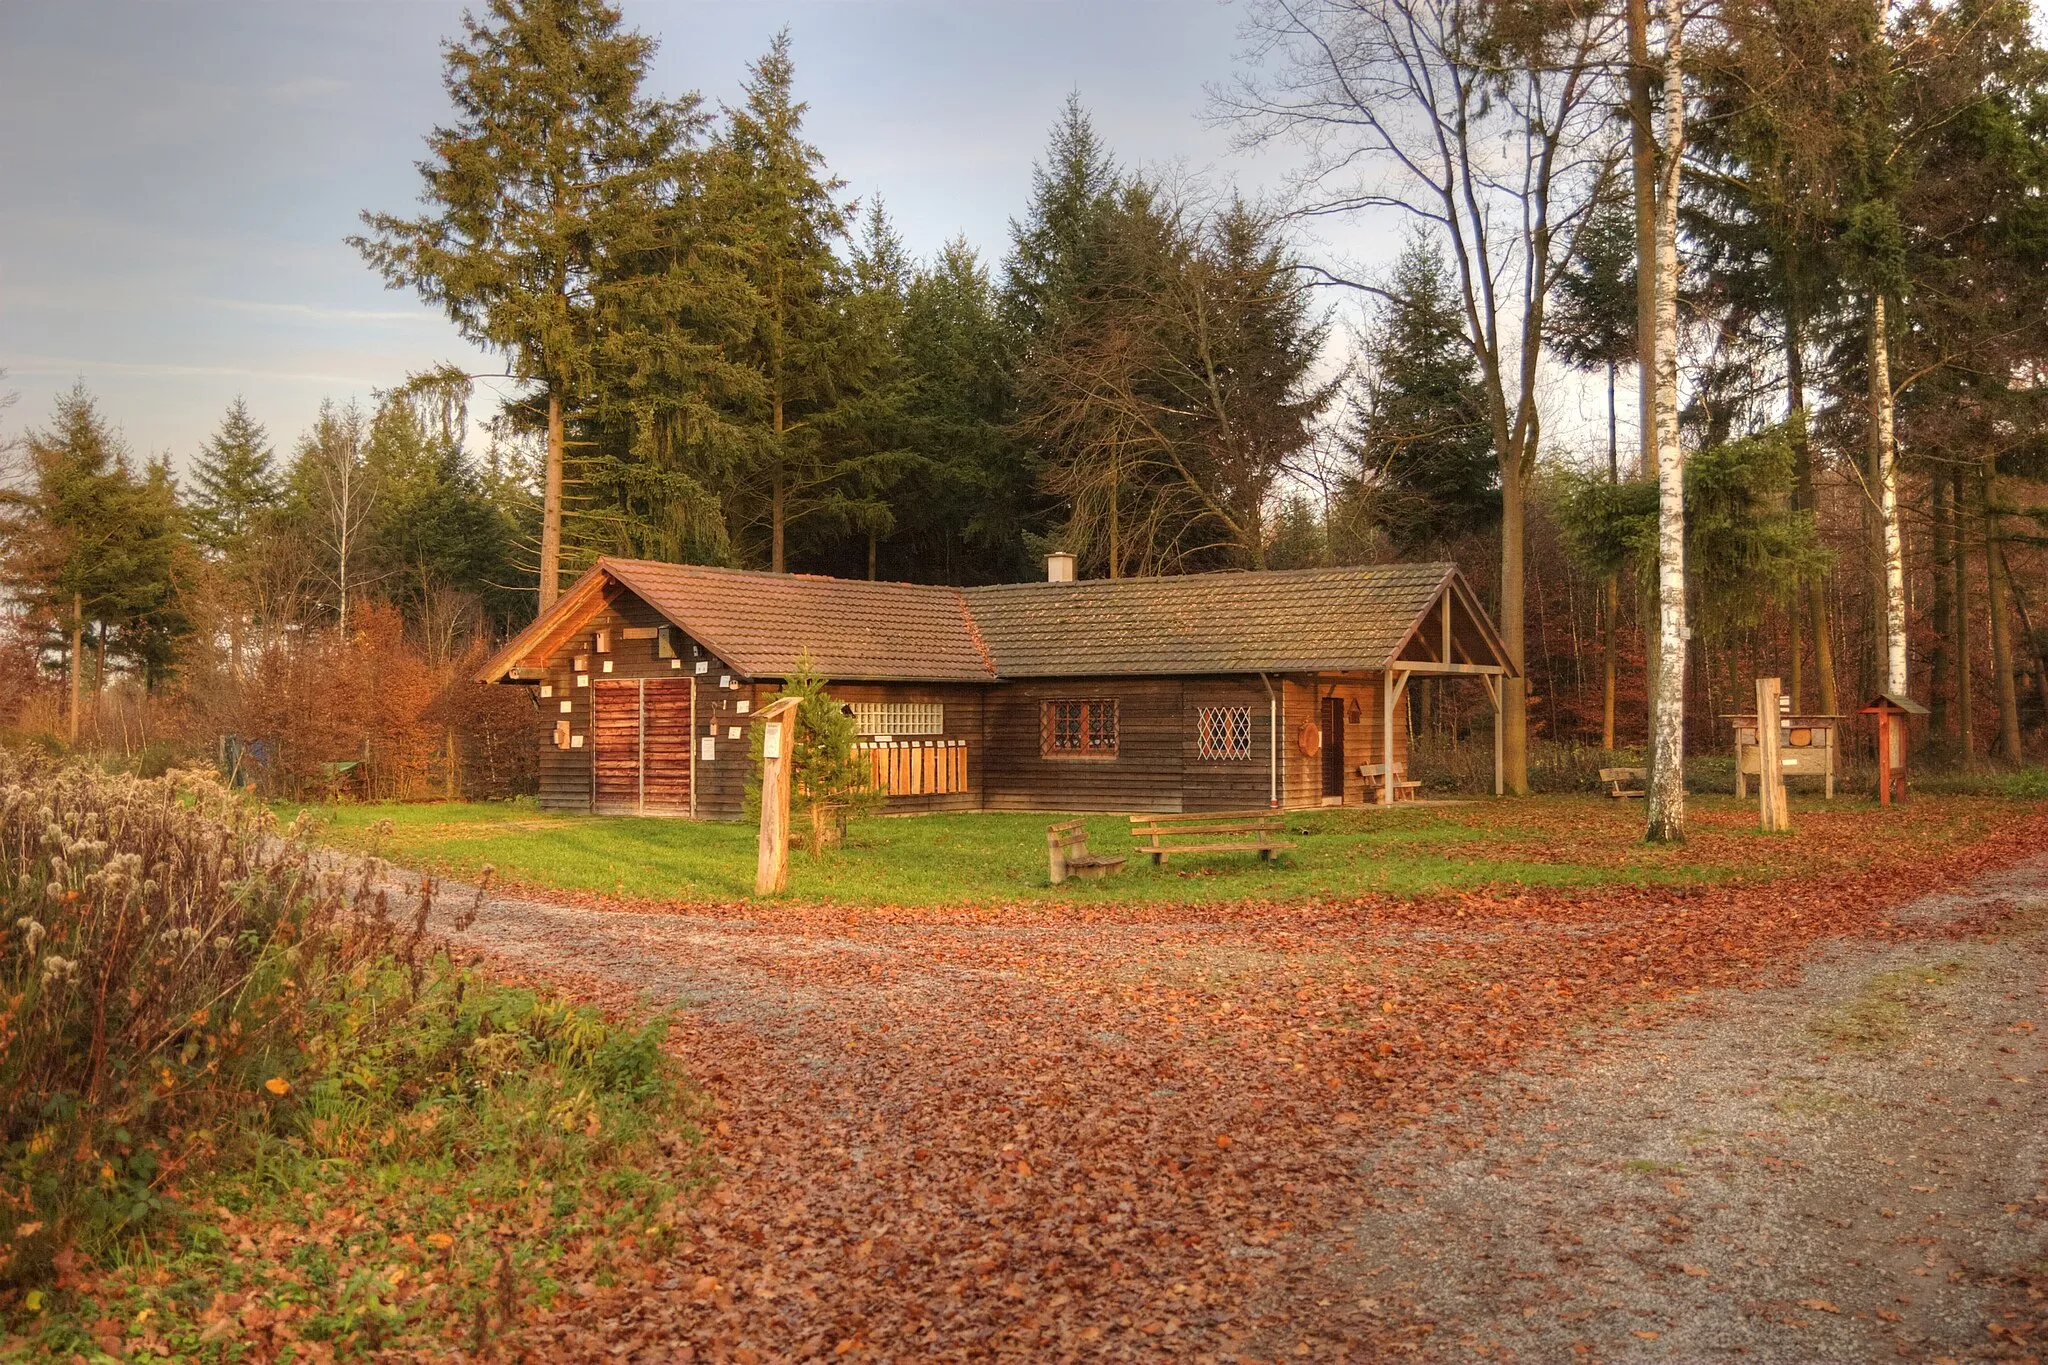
(1085, 1133)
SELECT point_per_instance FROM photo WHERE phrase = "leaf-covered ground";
(1091, 1131)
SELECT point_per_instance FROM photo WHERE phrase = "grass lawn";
(978, 858)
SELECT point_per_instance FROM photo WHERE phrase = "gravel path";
(948, 1141)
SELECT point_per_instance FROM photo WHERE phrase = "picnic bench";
(1066, 853)
(1617, 780)
(1162, 836)
(1375, 775)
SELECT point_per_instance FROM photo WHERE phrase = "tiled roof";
(1274, 622)
(764, 623)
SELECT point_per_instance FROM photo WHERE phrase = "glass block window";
(1224, 733)
(899, 718)
(1077, 728)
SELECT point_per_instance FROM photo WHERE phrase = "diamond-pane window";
(1077, 728)
(1223, 733)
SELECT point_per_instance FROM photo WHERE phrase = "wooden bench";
(1066, 852)
(1616, 778)
(1163, 836)
(1375, 774)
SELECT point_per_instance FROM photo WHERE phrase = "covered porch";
(1350, 726)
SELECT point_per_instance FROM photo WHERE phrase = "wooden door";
(641, 728)
(615, 731)
(667, 746)
(1333, 746)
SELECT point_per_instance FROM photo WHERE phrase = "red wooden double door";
(641, 729)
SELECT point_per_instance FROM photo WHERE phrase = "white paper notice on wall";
(607, 665)
(732, 732)
(707, 748)
(745, 706)
(675, 663)
(725, 680)
(703, 665)
(575, 741)
(583, 680)
(567, 706)
(546, 691)
(771, 740)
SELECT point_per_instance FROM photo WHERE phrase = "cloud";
(316, 313)
(59, 365)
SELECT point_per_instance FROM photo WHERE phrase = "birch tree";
(1657, 178)
(1490, 125)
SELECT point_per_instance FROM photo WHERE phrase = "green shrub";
(200, 1026)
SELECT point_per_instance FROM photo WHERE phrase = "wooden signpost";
(1770, 778)
(778, 747)
(1893, 714)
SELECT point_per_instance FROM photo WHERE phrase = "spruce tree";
(234, 482)
(554, 154)
(1056, 251)
(784, 229)
(1418, 425)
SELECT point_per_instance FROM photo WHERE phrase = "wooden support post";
(1387, 777)
(1770, 781)
(1493, 686)
(778, 744)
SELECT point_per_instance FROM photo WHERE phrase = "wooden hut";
(1218, 691)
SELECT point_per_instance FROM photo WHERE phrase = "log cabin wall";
(1145, 775)
(1218, 783)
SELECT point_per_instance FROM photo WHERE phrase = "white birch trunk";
(1667, 719)
(1884, 462)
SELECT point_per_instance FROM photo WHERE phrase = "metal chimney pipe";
(1059, 567)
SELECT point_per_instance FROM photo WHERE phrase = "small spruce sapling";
(830, 783)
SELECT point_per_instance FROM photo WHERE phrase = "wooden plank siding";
(1145, 775)
(566, 775)
(1303, 776)
(1227, 784)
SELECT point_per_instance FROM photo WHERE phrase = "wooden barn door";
(1333, 746)
(666, 746)
(642, 731)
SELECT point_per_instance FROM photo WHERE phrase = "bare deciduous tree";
(1491, 125)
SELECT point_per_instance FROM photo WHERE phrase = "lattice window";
(899, 718)
(1224, 733)
(1077, 728)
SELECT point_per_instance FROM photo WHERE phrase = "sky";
(177, 178)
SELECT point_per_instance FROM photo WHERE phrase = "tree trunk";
(1514, 692)
(778, 510)
(1884, 473)
(2036, 645)
(77, 656)
(1966, 701)
(1802, 464)
(1667, 723)
(551, 508)
(1613, 603)
(1643, 172)
(1939, 713)
(1998, 606)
